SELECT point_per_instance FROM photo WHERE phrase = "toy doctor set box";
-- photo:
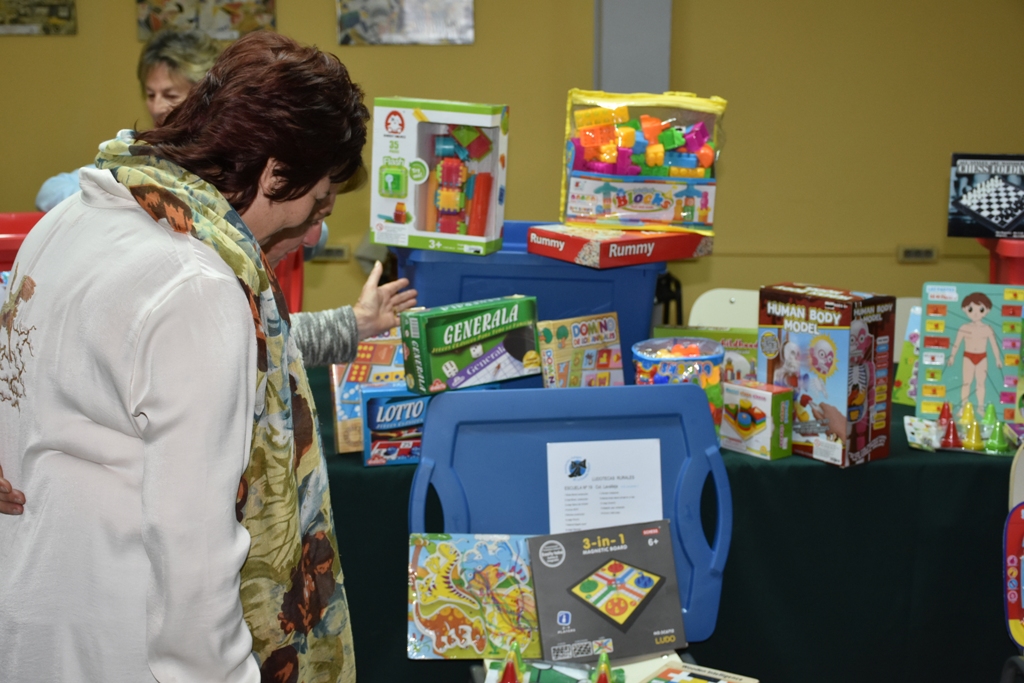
(438, 175)
(833, 349)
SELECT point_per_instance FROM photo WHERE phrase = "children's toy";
(513, 670)
(674, 360)
(378, 360)
(466, 344)
(581, 352)
(740, 360)
(986, 196)
(833, 349)
(641, 161)
(692, 673)
(438, 178)
(602, 673)
(904, 390)
(392, 424)
(757, 419)
(609, 591)
(1013, 561)
(998, 438)
(970, 348)
(609, 248)
(470, 597)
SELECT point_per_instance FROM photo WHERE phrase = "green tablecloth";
(886, 572)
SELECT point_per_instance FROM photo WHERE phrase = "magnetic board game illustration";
(986, 196)
(610, 590)
(470, 596)
(618, 591)
(970, 348)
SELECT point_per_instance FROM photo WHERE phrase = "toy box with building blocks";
(986, 196)
(471, 343)
(641, 160)
(970, 348)
(610, 590)
(438, 175)
(833, 348)
(581, 352)
(758, 419)
(740, 347)
(609, 248)
(378, 360)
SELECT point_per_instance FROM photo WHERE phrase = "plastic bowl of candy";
(675, 360)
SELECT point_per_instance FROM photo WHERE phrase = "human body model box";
(758, 419)
(833, 348)
(463, 345)
(438, 177)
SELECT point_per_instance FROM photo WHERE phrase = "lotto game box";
(757, 419)
(833, 348)
(608, 591)
(608, 248)
(471, 343)
(581, 352)
(392, 421)
(986, 196)
(378, 360)
(740, 346)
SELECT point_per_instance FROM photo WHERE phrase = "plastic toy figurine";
(862, 383)
(975, 336)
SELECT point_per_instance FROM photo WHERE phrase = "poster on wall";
(405, 22)
(986, 196)
(38, 18)
(220, 19)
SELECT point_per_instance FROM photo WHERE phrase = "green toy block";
(671, 138)
(633, 123)
(639, 159)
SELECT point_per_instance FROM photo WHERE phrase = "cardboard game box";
(608, 248)
(378, 360)
(833, 348)
(607, 590)
(970, 348)
(392, 421)
(466, 344)
(757, 419)
(904, 390)
(470, 596)
(581, 352)
(986, 196)
(740, 347)
(438, 177)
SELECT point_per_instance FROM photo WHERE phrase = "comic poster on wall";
(405, 22)
(38, 18)
(220, 19)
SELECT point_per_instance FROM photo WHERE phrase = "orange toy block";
(652, 128)
(626, 136)
(597, 116)
(595, 136)
(656, 155)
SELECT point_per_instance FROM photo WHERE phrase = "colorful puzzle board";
(470, 597)
(581, 352)
(692, 673)
(618, 591)
(378, 360)
(990, 335)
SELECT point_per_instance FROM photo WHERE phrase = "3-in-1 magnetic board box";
(466, 344)
(610, 590)
(758, 419)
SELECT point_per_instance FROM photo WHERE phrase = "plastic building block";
(609, 153)
(482, 184)
(591, 153)
(623, 165)
(640, 146)
(430, 222)
(681, 159)
(464, 134)
(951, 439)
(578, 157)
(479, 148)
(706, 156)
(400, 214)
(451, 224)
(681, 172)
(450, 200)
(620, 114)
(596, 116)
(652, 127)
(639, 159)
(696, 136)
(671, 138)
(446, 146)
(632, 123)
(601, 167)
(972, 436)
(654, 170)
(655, 155)
(394, 181)
(595, 136)
(626, 136)
(451, 172)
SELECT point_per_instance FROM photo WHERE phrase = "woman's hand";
(11, 500)
(378, 306)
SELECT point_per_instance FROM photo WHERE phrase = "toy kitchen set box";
(438, 176)
(833, 348)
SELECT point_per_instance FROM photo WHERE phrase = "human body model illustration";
(861, 383)
(975, 336)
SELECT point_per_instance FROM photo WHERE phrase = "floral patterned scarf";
(292, 588)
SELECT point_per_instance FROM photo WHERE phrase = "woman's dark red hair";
(267, 96)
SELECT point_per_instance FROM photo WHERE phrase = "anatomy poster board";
(970, 348)
(220, 19)
(38, 18)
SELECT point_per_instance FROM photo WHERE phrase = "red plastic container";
(1005, 261)
(289, 275)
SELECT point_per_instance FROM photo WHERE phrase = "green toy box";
(471, 343)
(758, 419)
(438, 175)
(740, 347)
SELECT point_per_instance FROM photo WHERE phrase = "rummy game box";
(833, 348)
(757, 419)
(581, 352)
(471, 343)
(378, 360)
(608, 248)
(740, 346)
(609, 590)
(986, 196)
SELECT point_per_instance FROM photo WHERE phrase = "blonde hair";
(189, 54)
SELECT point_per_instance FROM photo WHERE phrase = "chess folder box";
(986, 196)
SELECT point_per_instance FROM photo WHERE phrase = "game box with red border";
(609, 248)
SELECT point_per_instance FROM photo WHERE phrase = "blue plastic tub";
(563, 290)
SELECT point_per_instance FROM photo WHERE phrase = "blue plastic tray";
(485, 454)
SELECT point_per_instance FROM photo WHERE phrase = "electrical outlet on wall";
(335, 253)
(917, 254)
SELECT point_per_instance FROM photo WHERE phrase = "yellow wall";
(841, 122)
(842, 118)
(62, 96)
